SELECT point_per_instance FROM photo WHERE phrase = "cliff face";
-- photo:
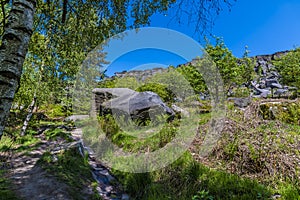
(140, 75)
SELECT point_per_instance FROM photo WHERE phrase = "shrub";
(161, 89)
(289, 68)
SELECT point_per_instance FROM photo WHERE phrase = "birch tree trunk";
(14, 47)
(28, 117)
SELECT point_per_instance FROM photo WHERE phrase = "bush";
(288, 67)
(53, 110)
(194, 77)
(161, 89)
(241, 92)
(233, 71)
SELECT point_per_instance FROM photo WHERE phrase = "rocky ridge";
(267, 84)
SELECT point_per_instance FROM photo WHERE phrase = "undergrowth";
(68, 166)
(263, 150)
(254, 159)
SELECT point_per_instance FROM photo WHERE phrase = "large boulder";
(258, 92)
(102, 95)
(140, 106)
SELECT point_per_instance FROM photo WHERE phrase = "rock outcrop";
(268, 82)
(140, 75)
(264, 63)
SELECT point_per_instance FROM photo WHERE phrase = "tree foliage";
(193, 76)
(177, 85)
(161, 89)
(234, 71)
(66, 31)
(288, 67)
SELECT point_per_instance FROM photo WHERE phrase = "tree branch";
(64, 14)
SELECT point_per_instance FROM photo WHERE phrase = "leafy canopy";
(233, 71)
(66, 31)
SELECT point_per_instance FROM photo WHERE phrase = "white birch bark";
(14, 47)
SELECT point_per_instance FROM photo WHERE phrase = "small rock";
(179, 110)
(276, 196)
(125, 197)
(276, 85)
(241, 102)
(76, 118)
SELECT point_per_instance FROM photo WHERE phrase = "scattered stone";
(140, 75)
(276, 196)
(270, 82)
(260, 93)
(268, 77)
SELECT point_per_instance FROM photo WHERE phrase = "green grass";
(6, 143)
(72, 169)
(5, 188)
(53, 110)
(186, 178)
(250, 145)
(13, 141)
(55, 133)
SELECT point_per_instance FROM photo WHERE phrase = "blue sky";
(265, 26)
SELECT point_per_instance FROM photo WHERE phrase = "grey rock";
(262, 84)
(261, 93)
(129, 103)
(240, 102)
(125, 197)
(276, 196)
(273, 75)
(179, 110)
(102, 95)
(276, 85)
(76, 118)
(269, 82)
(140, 75)
(291, 88)
(204, 96)
(280, 92)
(264, 93)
